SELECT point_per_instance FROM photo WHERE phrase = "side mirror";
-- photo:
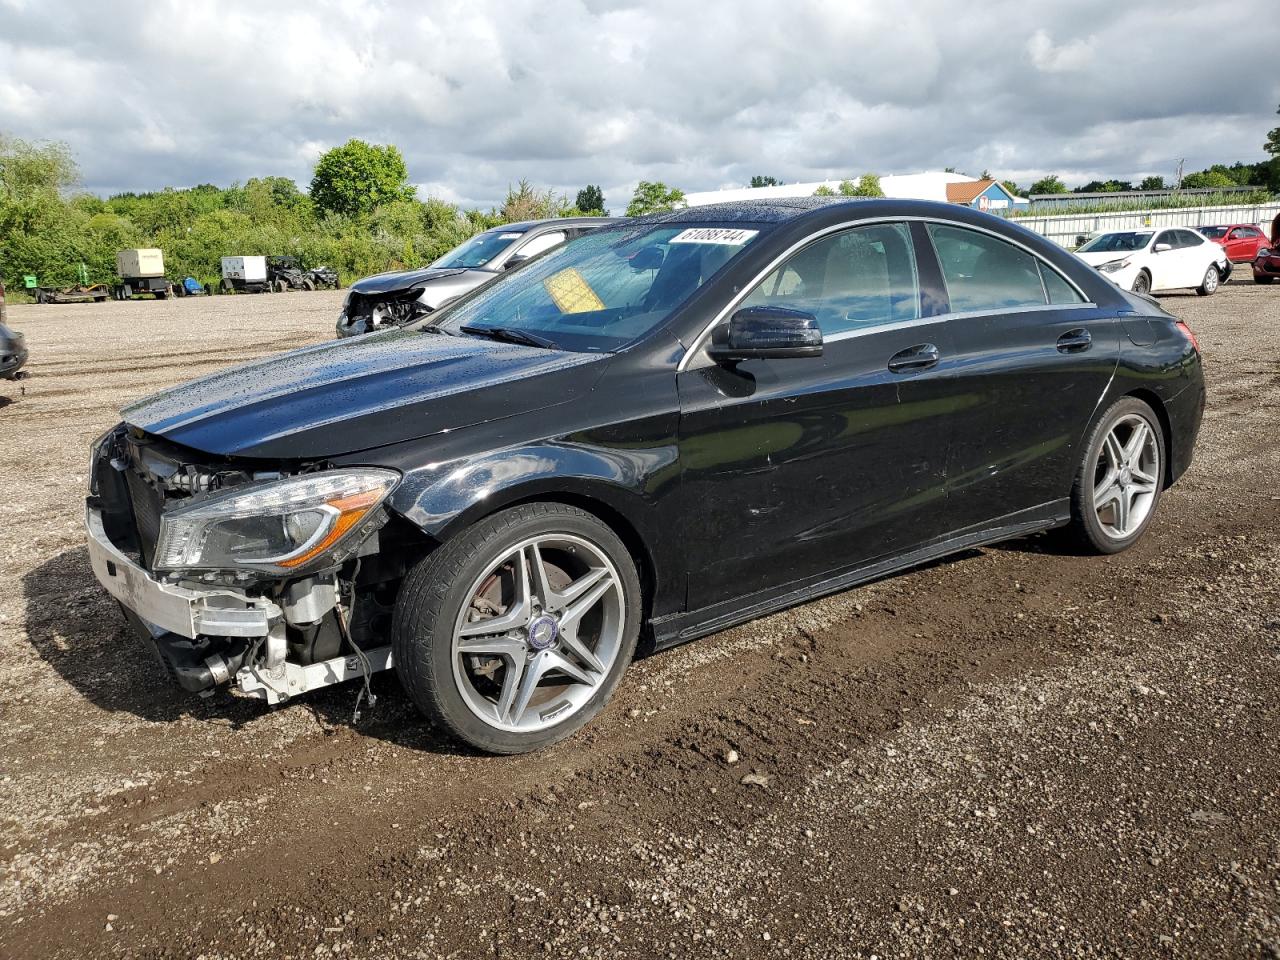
(1161, 248)
(767, 333)
(515, 261)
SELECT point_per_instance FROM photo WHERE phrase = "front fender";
(442, 498)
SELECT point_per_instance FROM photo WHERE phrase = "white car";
(1146, 261)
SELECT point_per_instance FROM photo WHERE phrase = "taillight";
(1186, 332)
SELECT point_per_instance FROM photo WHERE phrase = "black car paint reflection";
(741, 487)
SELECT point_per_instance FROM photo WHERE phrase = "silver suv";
(392, 299)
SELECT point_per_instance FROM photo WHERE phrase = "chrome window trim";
(696, 347)
(948, 317)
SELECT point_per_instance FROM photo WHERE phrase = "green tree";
(1104, 186)
(1272, 146)
(1049, 184)
(1011, 187)
(1212, 179)
(357, 177)
(590, 199)
(526, 202)
(654, 197)
(868, 185)
(763, 181)
(824, 191)
(28, 169)
(1153, 182)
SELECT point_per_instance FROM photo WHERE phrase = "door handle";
(920, 357)
(1075, 341)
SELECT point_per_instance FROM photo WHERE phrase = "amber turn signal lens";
(351, 510)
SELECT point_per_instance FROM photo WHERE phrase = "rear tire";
(558, 655)
(1212, 280)
(1262, 280)
(1120, 478)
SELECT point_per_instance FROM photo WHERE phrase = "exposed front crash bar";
(176, 609)
(170, 612)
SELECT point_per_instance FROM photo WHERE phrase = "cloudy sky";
(697, 94)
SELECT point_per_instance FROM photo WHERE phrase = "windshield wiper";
(511, 335)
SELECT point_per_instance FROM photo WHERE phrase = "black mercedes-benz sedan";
(655, 431)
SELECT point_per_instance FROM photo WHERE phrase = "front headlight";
(1114, 266)
(277, 527)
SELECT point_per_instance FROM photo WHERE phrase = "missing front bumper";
(208, 637)
(173, 608)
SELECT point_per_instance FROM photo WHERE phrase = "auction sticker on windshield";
(725, 236)
(571, 292)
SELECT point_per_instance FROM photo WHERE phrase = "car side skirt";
(681, 628)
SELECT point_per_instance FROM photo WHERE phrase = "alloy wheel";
(539, 633)
(1126, 477)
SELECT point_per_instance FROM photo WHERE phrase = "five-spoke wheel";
(515, 633)
(1120, 477)
(541, 631)
(1127, 476)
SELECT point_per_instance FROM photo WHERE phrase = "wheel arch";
(619, 508)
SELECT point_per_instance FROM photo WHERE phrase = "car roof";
(777, 210)
(524, 226)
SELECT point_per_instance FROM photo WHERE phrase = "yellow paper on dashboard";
(571, 292)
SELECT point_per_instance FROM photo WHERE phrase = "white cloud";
(1075, 55)
(480, 93)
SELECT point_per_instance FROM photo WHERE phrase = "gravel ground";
(1014, 753)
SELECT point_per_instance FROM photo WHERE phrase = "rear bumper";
(1185, 412)
(1267, 267)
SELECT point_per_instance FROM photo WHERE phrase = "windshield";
(1213, 233)
(1118, 242)
(604, 290)
(480, 250)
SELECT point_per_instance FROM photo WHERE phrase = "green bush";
(48, 229)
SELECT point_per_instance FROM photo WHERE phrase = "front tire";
(515, 633)
(1120, 478)
(1212, 280)
(1262, 280)
(1142, 283)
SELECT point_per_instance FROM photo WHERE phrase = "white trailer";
(245, 275)
(141, 271)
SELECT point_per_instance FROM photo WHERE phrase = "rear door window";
(985, 274)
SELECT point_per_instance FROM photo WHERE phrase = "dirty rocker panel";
(681, 628)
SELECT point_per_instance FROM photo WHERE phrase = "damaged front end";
(367, 312)
(266, 576)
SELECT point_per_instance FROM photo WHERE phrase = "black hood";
(403, 279)
(351, 395)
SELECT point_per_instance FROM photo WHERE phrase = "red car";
(1266, 266)
(1242, 241)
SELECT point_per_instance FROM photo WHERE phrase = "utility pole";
(1180, 163)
